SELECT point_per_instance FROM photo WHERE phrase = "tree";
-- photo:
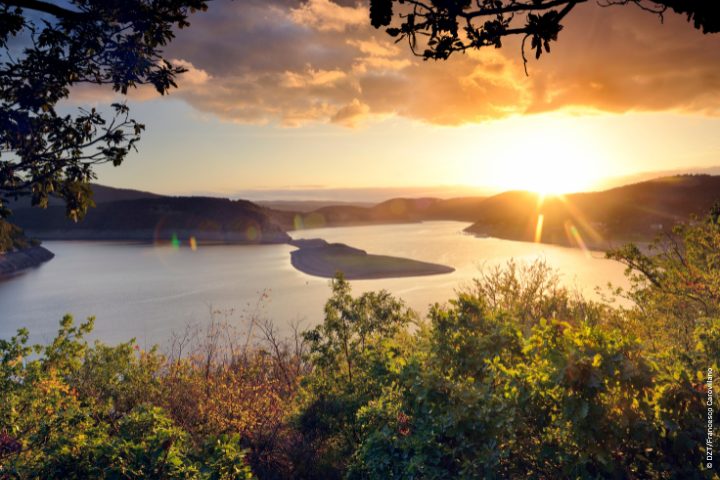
(47, 48)
(353, 354)
(675, 284)
(457, 25)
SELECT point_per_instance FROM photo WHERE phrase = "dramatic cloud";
(294, 62)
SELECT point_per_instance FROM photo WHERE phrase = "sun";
(549, 161)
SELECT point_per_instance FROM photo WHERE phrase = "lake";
(146, 291)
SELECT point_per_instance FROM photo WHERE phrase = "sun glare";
(555, 159)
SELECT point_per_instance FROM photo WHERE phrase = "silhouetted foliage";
(448, 26)
(46, 49)
(12, 237)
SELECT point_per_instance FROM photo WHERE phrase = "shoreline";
(18, 261)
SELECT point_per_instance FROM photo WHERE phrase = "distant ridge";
(304, 206)
(593, 219)
(396, 210)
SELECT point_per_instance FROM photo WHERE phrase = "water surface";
(146, 291)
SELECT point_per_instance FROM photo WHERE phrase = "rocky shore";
(19, 260)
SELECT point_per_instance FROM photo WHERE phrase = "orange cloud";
(351, 114)
(292, 62)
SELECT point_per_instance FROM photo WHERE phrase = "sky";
(304, 99)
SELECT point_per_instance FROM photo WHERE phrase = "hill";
(596, 219)
(599, 219)
(159, 219)
(396, 210)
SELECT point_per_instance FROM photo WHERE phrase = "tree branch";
(45, 7)
(519, 7)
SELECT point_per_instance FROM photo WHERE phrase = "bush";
(70, 410)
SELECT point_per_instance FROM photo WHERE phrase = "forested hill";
(633, 212)
(396, 210)
(158, 219)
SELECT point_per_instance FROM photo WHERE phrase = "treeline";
(516, 376)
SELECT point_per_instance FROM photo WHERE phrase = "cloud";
(193, 76)
(293, 62)
(623, 59)
(312, 78)
(328, 16)
(351, 113)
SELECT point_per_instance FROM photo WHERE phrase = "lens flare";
(539, 228)
(298, 222)
(574, 236)
(584, 224)
(314, 220)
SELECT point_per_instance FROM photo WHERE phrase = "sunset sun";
(559, 159)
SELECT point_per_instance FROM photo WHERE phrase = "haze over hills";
(357, 196)
(305, 206)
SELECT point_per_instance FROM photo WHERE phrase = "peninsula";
(322, 259)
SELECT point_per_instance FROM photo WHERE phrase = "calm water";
(146, 291)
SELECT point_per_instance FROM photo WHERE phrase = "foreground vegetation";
(515, 377)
